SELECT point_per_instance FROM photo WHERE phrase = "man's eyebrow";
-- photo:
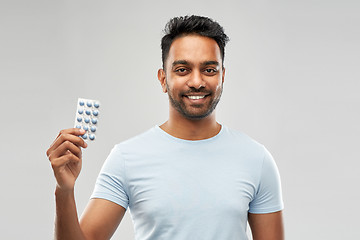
(184, 62)
(210, 63)
(180, 62)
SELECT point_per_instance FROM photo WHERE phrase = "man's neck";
(190, 129)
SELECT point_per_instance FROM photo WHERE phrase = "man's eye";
(210, 70)
(181, 70)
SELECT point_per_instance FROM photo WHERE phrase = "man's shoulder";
(242, 144)
(239, 137)
(140, 140)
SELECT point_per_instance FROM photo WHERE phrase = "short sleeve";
(268, 197)
(111, 182)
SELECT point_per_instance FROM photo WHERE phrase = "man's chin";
(193, 111)
(196, 115)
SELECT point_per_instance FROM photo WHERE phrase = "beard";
(195, 111)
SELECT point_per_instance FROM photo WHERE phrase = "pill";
(86, 118)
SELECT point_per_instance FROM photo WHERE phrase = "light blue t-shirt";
(180, 189)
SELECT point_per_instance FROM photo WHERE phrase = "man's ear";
(162, 79)
(223, 75)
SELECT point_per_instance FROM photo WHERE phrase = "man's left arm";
(268, 226)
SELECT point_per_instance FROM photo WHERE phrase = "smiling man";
(193, 77)
(194, 69)
(189, 178)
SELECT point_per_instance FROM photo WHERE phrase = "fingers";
(70, 135)
(65, 156)
(63, 160)
(65, 148)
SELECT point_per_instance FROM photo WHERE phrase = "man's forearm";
(67, 225)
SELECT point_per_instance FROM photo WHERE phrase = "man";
(190, 178)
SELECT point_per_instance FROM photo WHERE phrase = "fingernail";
(82, 131)
(85, 144)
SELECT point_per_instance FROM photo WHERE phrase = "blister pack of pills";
(87, 117)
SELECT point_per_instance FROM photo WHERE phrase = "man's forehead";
(189, 42)
(194, 48)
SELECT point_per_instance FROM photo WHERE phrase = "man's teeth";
(196, 97)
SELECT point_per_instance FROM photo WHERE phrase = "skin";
(101, 217)
(193, 68)
(267, 226)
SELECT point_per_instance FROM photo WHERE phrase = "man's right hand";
(65, 157)
(101, 216)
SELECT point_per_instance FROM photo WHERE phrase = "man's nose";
(196, 80)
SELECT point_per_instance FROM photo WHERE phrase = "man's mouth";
(195, 97)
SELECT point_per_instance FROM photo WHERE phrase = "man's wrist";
(61, 192)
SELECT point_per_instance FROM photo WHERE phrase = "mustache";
(202, 91)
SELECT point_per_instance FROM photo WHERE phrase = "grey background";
(292, 83)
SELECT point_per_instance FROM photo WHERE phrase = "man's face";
(193, 76)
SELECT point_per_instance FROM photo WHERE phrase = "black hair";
(203, 26)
